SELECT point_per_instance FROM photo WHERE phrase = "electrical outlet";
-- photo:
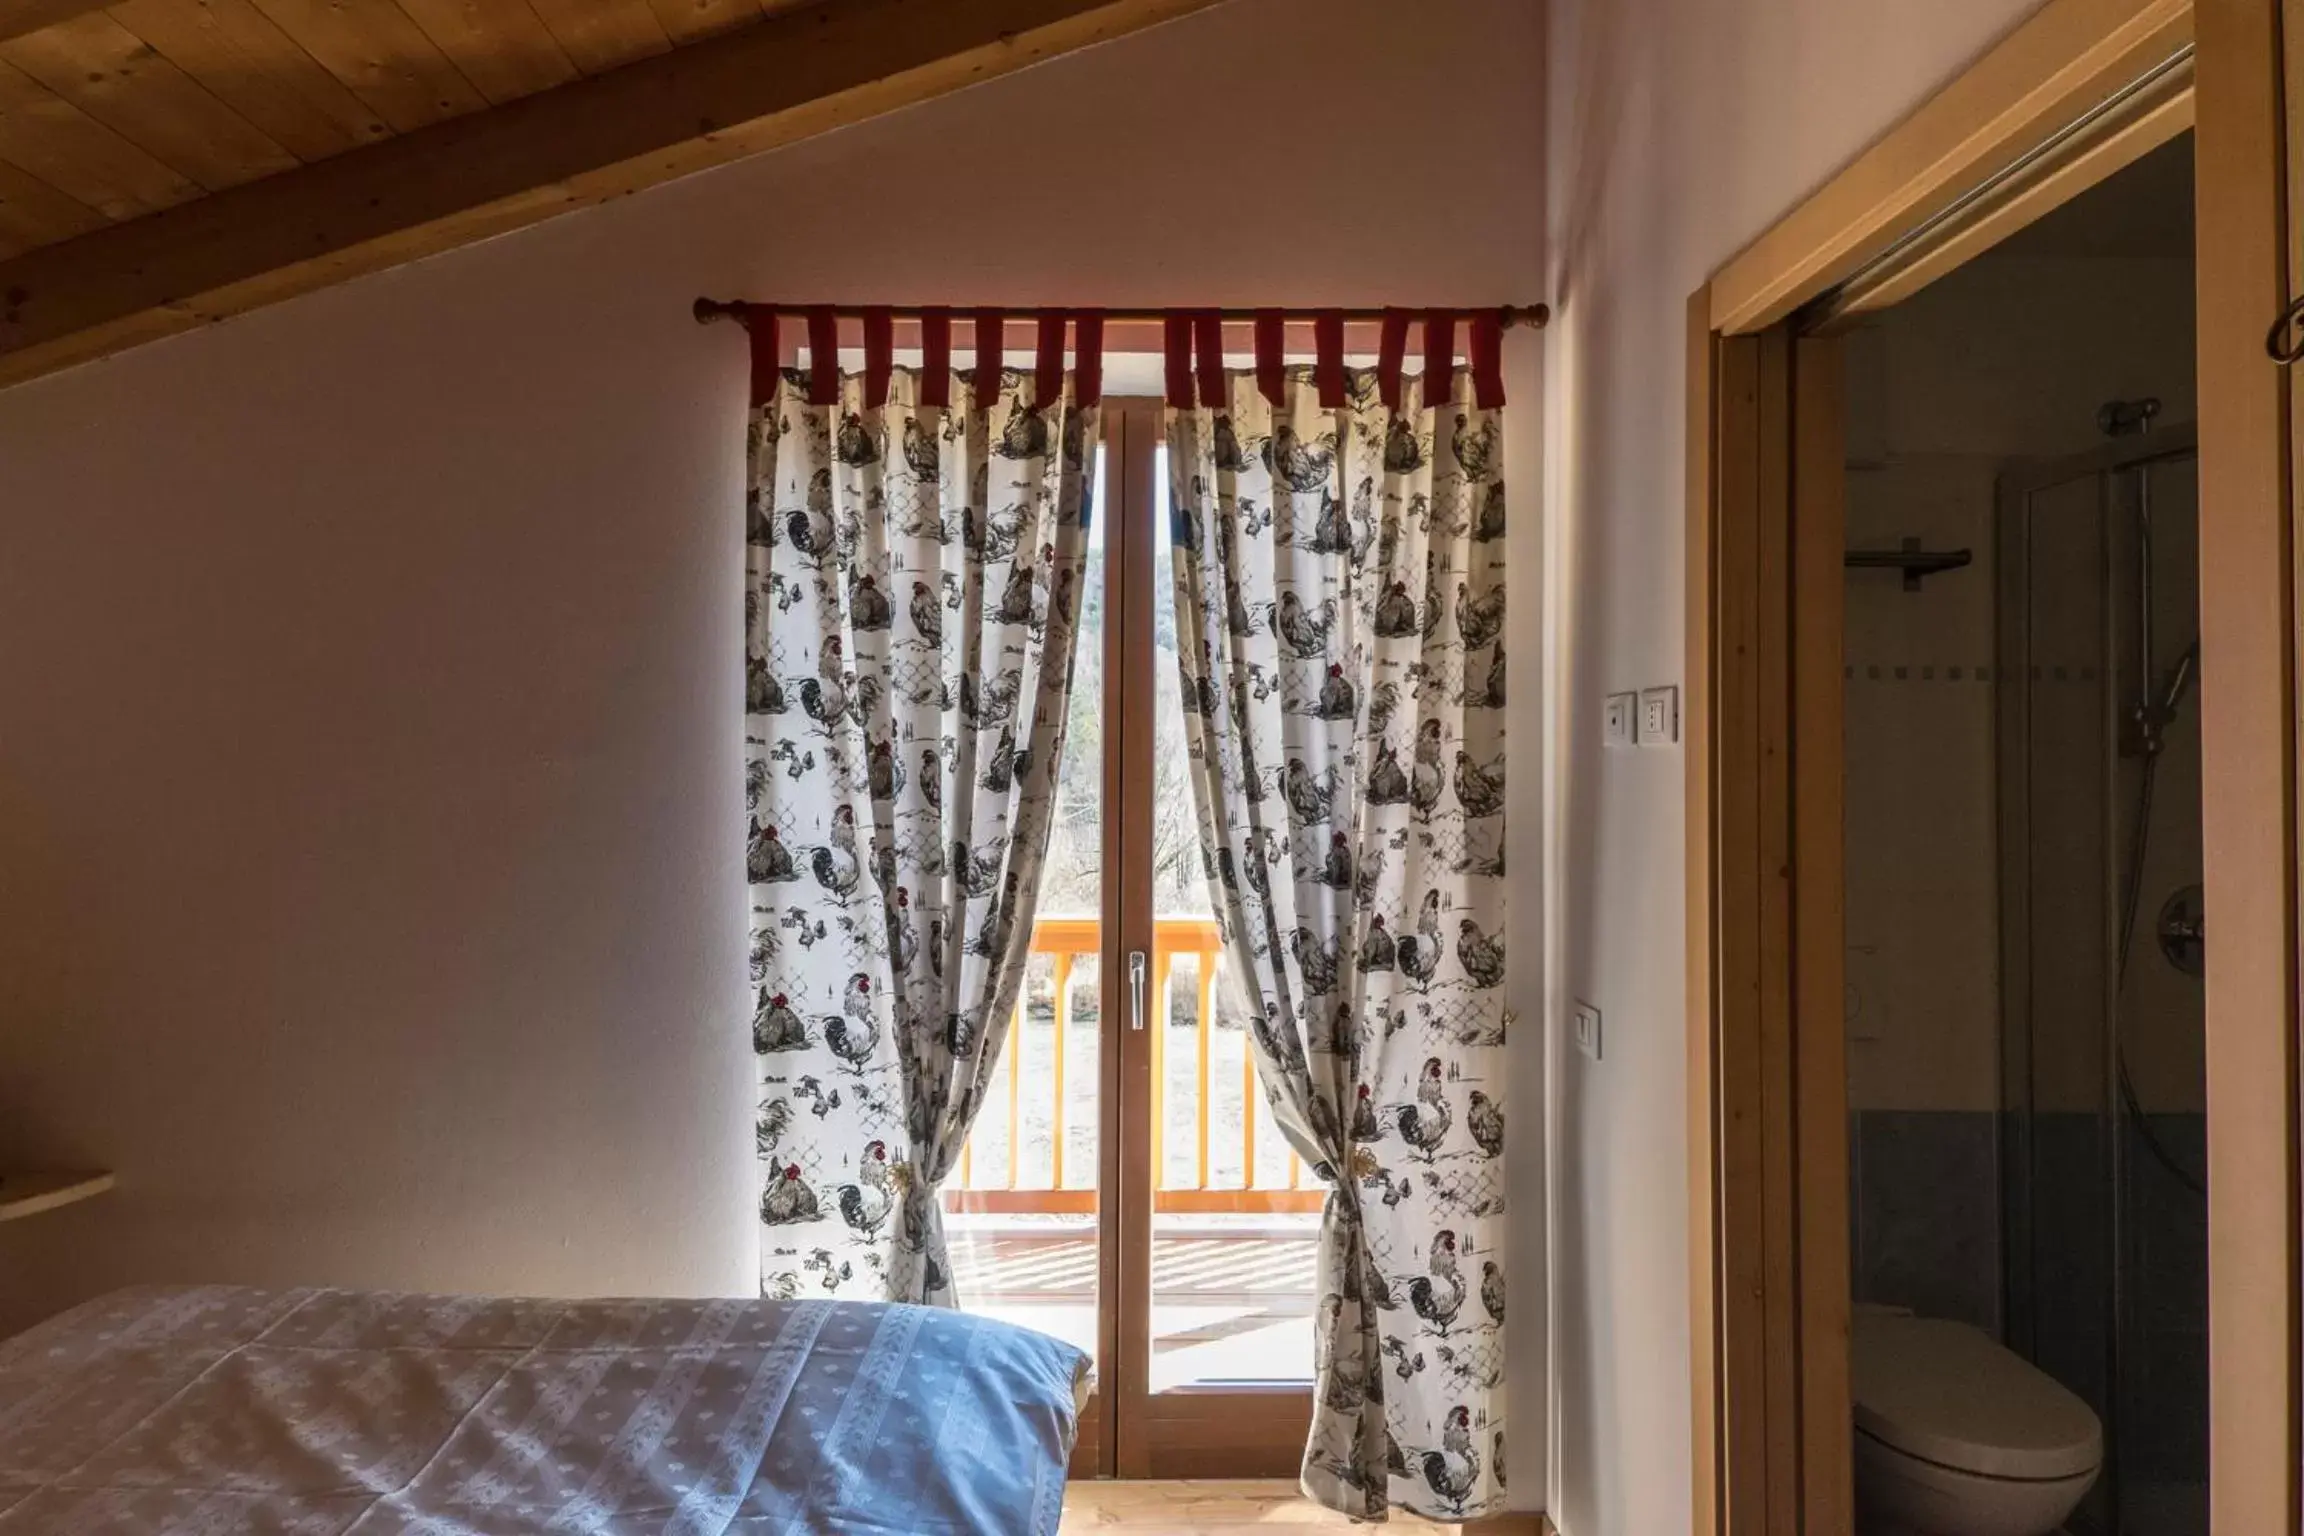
(1617, 730)
(1659, 716)
(1587, 1019)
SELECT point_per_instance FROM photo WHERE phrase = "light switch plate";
(1659, 716)
(1587, 1020)
(1617, 731)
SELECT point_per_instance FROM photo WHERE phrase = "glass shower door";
(2103, 1018)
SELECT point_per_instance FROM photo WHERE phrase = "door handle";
(1135, 989)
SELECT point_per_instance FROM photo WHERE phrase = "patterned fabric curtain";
(912, 575)
(1340, 601)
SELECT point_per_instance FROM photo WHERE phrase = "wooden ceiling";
(167, 162)
(109, 112)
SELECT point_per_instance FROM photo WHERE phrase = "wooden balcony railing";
(1037, 1076)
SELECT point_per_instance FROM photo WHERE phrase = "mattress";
(318, 1412)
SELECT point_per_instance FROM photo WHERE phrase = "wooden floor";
(1203, 1508)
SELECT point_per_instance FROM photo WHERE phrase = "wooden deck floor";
(1060, 1266)
(1226, 1306)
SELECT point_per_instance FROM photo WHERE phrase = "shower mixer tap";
(2183, 931)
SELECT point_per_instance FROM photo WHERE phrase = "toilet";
(1958, 1436)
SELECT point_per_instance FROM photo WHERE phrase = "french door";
(1125, 1186)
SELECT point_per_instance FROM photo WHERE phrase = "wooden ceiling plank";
(121, 81)
(19, 17)
(43, 133)
(791, 76)
(601, 35)
(381, 56)
(690, 21)
(498, 45)
(234, 50)
(33, 213)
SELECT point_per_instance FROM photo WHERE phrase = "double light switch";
(1649, 718)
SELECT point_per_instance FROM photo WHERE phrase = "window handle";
(1135, 989)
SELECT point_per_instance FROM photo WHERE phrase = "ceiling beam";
(17, 17)
(795, 74)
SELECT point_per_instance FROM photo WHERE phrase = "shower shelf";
(1916, 563)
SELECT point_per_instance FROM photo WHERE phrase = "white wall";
(369, 788)
(1679, 129)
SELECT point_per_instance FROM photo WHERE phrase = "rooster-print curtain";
(912, 579)
(1340, 601)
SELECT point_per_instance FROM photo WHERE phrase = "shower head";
(2147, 724)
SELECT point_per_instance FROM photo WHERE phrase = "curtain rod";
(709, 310)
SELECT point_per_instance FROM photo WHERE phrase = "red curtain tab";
(879, 355)
(936, 356)
(1391, 352)
(1208, 342)
(1271, 352)
(1048, 366)
(1439, 356)
(766, 359)
(990, 324)
(1328, 356)
(1485, 349)
(1177, 329)
(1088, 356)
(823, 356)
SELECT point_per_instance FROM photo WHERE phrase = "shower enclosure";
(2103, 1142)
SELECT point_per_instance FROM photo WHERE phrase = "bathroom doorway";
(2024, 925)
(2073, 1280)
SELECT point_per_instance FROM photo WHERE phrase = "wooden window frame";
(1768, 1210)
(1194, 1432)
(1129, 1431)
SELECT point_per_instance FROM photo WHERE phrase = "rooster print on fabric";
(912, 580)
(1340, 598)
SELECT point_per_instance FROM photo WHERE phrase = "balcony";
(1235, 1213)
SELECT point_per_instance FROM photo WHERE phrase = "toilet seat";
(1944, 1393)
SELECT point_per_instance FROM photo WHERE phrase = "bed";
(220, 1409)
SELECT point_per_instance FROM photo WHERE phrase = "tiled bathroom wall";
(1922, 914)
(1995, 366)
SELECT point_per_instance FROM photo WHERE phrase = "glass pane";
(2058, 1180)
(2160, 1412)
(1021, 1209)
(1234, 1214)
(2104, 1028)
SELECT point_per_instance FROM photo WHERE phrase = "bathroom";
(2028, 1229)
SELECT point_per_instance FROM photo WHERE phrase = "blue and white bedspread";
(217, 1410)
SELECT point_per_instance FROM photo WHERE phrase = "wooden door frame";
(1768, 1226)
(1126, 1264)
(1769, 1235)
